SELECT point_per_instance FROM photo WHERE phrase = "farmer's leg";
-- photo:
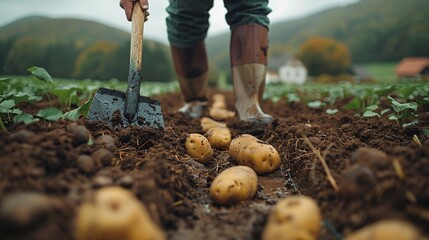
(187, 26)
(248, 54)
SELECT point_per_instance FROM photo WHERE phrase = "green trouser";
(188, 20)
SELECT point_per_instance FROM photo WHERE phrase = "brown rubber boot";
(191, 68)
(249, 46)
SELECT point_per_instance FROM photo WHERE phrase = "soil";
(42, 182)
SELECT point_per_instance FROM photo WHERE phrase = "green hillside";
(63, 30)
(76, 48)
(374, 31)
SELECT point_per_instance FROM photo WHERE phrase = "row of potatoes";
(114, 213)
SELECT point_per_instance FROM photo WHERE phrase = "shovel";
(124, 109)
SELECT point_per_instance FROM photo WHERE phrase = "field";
(42, 182)
(382, 71)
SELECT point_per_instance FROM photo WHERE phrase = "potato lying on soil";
(218, 109)
(219, 137)
(233, 185)
(199, 148)
(218, 101)
(115, 214)
(208, 123)
(296, 217)
(250, 151)
(221, 114)
(387, 230)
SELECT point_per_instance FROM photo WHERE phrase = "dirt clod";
(103, 157)
(107, 142)
(86, 163)
(79, 133)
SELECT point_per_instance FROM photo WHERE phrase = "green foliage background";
(73, 48)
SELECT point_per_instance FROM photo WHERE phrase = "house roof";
(412, 66)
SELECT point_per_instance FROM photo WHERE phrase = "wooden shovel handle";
(136, 52)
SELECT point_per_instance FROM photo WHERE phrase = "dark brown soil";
(42, 182)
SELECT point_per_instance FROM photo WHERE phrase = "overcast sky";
(109, 12)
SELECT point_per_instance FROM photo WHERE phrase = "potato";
(219, 101)
(219, 105)
(387, 230)
(221, 114)
(219, 137)
(115, 214)
(208, 123)
(217, 97)
(233, 185)
(296, 217)
(250, 151)
(199, 148)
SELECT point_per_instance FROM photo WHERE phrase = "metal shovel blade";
(108, 106)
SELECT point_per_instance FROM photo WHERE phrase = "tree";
(325, 56)
(25, 52)
(97, 61)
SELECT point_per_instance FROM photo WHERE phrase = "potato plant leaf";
(369, 114)
(20, 97)
(4, 84)
(7, 105)
(400, 107)
(372, 107)
(76, 113)
(331, 111)
(25, 118)
(354, 104)
(41, 74)
(50, 114)
(316, 104)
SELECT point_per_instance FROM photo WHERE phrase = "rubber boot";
(248, 52)
(191, 68)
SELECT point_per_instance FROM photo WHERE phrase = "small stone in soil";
(101, 181)
(103, 157)
(79, 133)
(107, 142)
(126, 181)
(86, 163)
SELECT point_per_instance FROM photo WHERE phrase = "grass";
(382, 72)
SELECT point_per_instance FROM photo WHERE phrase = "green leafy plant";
(404, 113)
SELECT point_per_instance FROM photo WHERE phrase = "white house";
(289, 70)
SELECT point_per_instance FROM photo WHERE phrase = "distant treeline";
(101, 60)
(71, 48)
(373, 31)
